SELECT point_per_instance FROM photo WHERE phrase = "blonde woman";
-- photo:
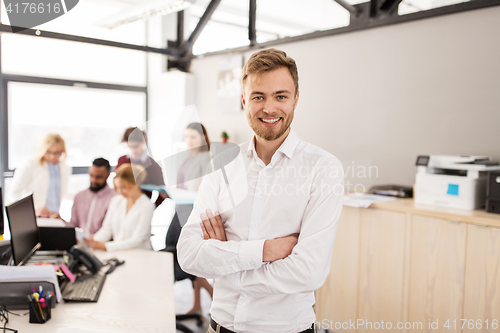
(127, 224)
(46, 176)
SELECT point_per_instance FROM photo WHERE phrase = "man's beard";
(269, 134)
(98, 188)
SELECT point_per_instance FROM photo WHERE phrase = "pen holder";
(39, 312)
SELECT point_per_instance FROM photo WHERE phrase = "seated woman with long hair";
(127, 224)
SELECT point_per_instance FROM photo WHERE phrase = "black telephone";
(83, 256)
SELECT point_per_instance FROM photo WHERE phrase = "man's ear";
(243, 100)
(296, 100)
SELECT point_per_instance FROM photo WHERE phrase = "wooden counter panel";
(336, 300)
(482, 279)
(437, 272)
(381, 267)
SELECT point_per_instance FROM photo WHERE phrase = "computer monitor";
(24, 235)
(2, 226)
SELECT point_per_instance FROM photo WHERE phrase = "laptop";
(26, 242)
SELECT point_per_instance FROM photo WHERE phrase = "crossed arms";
(274, 249)
(259, 267)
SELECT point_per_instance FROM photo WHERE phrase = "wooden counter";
(398, 262)
(480, 217)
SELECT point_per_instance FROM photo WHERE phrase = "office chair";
(173, 233)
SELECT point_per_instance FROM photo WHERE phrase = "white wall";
(378, 98)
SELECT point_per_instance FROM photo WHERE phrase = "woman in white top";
(46, 176)
(127, 224)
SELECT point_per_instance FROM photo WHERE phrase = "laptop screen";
(24, 235)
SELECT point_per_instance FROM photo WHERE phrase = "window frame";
(4, 116)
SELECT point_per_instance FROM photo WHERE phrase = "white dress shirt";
(299, 192)
(122, 230)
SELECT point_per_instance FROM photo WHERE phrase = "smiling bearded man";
(279, 200)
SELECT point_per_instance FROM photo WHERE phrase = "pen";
(32, 306)
(39, 306)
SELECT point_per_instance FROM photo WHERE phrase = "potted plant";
(224, 137)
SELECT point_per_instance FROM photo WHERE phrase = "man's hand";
(42, 212)
(279, 248)
(212, 226)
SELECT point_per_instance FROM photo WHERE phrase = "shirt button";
(252, 263)
(255, 224)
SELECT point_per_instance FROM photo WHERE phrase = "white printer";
(453, 181)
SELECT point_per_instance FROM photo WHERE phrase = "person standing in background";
(190, 174)
(46, 176)
(136, 142)
(189, 177)
(90, 205)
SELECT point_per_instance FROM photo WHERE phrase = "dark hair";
(198, 127)
(133, 134)
(102, 162)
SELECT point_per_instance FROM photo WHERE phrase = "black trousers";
(216, 328)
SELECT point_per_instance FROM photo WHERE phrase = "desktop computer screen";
(24, 235)
(1, 213)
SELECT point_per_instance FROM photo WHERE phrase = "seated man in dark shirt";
(136, 141)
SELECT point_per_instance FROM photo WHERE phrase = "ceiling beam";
(252, 18)
(364, 24)
(81, 39)
(390, 6)
(187, 46)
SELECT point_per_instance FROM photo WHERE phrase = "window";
(412, 6)
(228, 26)
(287, 18)
(45, 57)
(83, 20)
(91, 121)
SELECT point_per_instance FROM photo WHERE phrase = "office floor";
(183, 294)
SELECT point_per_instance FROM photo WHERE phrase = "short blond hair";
(131, 173)
(268, 60)
(47, 142)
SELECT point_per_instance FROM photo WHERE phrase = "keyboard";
(86, 288)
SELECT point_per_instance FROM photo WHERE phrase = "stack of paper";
(364, 200)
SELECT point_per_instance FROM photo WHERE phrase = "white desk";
(137, 297)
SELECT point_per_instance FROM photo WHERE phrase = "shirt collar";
(287, 147)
